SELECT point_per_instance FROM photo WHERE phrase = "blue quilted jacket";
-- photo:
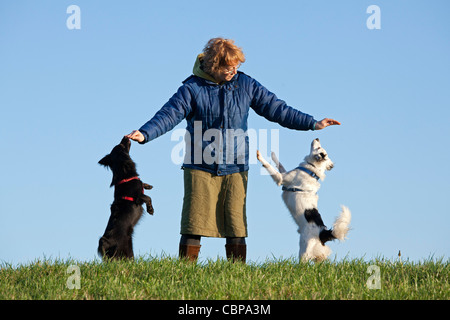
(216, 116)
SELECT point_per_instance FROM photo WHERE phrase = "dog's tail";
(340, 227)
(342, 224)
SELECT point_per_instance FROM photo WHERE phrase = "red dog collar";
(129, 179)
(126, 180)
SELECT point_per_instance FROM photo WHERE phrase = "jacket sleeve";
(171, 114)
(266, 104)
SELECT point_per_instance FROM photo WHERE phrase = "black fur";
(326, 235)
(116, 242)
(313, 216)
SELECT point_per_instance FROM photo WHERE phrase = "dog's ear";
(315, 144)
(105, 161)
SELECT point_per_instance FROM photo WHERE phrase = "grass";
(168, 278)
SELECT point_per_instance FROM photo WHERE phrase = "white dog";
(300, 187)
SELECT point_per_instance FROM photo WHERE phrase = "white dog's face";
(319, 157)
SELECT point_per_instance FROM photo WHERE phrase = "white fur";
(341, 225)
(311, 248)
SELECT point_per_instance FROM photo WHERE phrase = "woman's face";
(226, 73)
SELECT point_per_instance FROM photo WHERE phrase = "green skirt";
(214, 206)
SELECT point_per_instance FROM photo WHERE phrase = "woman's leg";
(236, 249)
(189, 247)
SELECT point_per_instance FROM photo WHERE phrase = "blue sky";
(68, 96)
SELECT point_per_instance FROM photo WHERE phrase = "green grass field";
(168, 278)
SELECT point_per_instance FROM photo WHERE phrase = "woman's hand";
(325, 123)
(136, 135)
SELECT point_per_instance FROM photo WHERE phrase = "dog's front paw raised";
(150, 209)
(147, 186)
(261, 159)
(148, 202)
(258, 156)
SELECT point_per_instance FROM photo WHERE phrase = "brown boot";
(236, 252)
(189, 252)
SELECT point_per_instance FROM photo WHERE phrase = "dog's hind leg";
(127, 244)
(306, 251)
(129, 250)
(302, 248)
(101, 247)
(107, 249)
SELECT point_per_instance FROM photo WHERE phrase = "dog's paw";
(149, 206)
(259, 156)
(147, 186)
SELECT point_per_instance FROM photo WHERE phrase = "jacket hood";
(198, 71)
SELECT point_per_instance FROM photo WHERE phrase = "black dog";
(126, 210)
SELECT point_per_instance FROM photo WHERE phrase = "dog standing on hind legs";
(300, 187)
(126, 210)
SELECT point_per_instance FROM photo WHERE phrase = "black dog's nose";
(126, 143)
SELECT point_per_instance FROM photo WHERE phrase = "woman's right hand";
(136, 135)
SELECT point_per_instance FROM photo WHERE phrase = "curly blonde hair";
(220, 52)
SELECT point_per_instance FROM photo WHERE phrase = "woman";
(215, 102)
